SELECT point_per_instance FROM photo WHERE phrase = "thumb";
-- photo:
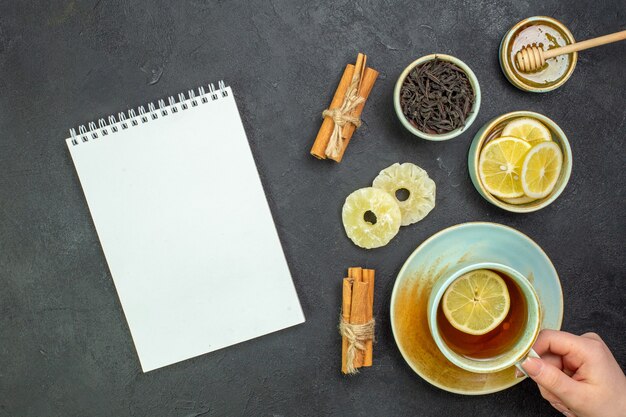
(551, 378)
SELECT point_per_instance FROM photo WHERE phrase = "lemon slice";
(371, 217)
(541, 169)
(500, 166)
(477, 302)
(530, 130)
(518, 200)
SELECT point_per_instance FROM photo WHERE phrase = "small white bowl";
(471, 116)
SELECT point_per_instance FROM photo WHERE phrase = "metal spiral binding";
(131, 118)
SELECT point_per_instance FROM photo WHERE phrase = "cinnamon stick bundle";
(357, 320)
(343, 115)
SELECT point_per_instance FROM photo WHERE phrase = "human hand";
(578, 375)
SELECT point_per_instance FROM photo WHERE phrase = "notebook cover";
(185, 227)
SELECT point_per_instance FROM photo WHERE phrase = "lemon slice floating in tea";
(500, 166)
(541, 169)
(530, 130)
(371, 217)
(477, 302)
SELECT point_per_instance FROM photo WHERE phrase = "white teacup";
(522, 347)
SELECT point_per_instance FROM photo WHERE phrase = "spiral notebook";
(186, 230)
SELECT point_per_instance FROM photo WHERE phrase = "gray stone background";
(65, 348)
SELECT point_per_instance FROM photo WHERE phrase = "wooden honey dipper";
(532, 57)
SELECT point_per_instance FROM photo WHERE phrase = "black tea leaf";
(436, 97)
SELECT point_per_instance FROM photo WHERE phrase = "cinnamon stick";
(357, 308)
(368, 277)
(366, 77)
(346, 306)
(359, 67)
(323, 135)
(365, 87)
(355, 273)
(358, 313)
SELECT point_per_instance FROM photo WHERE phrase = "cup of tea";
(507, 344)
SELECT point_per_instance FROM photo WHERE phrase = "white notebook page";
(187, 232)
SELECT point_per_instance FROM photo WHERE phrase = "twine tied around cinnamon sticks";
(343, 115)
(357, 335)
(357, 320)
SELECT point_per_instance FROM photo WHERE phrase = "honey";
(546, 33)
(547, 37)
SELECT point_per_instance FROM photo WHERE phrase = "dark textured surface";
(65, 348)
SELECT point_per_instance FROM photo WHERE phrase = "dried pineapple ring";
(371, 217)
(415, 180)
